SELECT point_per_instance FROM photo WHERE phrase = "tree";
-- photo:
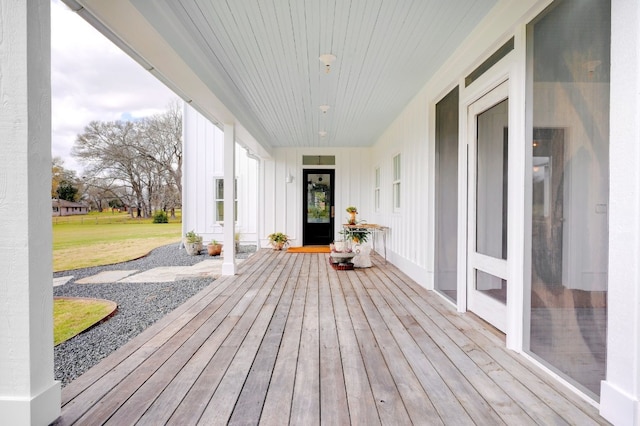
(143, 158)
(108, 150)
(60, 174)
(99, 192)
(67, 191)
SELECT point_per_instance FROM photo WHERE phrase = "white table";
(373, 230)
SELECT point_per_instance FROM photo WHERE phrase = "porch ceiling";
(259, 59)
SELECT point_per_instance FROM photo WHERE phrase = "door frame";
(511, 69)
(489, 309)
(318, 170)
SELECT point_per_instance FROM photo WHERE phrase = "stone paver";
(62, 280)
(106, 277)
(210, 268)
(161, 274)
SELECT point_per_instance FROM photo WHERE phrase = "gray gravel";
(139, 306)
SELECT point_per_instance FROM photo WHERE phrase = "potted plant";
(353, 211)
(278, 240)
(214, 248)
(357, 235)
(192, 243)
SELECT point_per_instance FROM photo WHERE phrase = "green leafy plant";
(352, 209)
(160, 217)
(192, 237)
(278, 240)
(356, 235)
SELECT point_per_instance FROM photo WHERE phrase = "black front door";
(318, 211)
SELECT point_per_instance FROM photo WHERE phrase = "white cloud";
(91, 79)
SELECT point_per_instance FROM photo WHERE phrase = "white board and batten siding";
(203, 164)
(282, 202)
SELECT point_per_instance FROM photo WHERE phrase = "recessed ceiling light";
(322, 133)
(324, 108)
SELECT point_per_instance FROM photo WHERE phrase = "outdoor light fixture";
(289, 177)
(327, 59)
(324, 108)
(322, 133)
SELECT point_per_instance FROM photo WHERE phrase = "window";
(569, 177)
(396, 182)
(377, 190)
(219, 199)
(318, 160)
(446, 196)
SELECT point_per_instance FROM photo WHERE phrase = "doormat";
(309, 249)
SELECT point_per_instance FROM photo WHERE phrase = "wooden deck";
(290, 340)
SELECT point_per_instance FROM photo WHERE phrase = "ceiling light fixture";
(324, 108)
(327, 59)
(322, 133)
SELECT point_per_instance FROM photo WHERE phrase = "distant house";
(67, 208)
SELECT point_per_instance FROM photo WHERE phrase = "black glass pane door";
(318, 208)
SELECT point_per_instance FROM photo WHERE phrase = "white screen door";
(487, 215)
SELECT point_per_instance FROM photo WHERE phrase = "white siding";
(410, 226)
(412, 134)
(282, 202)
(203, 163)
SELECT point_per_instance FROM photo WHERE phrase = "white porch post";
(620, 392)
(229, 262)
(28, 393)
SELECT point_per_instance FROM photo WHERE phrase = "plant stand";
(341, 261)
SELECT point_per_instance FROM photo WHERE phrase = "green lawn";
(72, 316)
(106, 238)
(99, 239)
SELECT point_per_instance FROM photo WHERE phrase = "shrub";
(160, 217)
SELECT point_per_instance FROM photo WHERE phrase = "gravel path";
(139, 306)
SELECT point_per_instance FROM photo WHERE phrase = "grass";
(99, 239)
(105, 238)
(73, 316)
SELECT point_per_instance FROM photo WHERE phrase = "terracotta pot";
(352, 218)
(214, 249)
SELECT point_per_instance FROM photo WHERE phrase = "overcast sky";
(91, 79)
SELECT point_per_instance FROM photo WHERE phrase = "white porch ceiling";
(260, 58)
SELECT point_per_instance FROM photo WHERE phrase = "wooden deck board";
(360, 400)
(474, 389)
(305, 406)
(290, 340)
(277, 405)
(334, 409)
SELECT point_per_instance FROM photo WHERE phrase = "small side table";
(373, 229)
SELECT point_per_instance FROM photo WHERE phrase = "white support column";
(620, 392)
(229, 262)
(28, 393)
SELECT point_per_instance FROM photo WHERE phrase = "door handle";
(333, 211)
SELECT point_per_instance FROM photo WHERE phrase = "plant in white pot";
(192, 243)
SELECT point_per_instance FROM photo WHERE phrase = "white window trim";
(396, 184)
(377, 177)
(218, 221)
